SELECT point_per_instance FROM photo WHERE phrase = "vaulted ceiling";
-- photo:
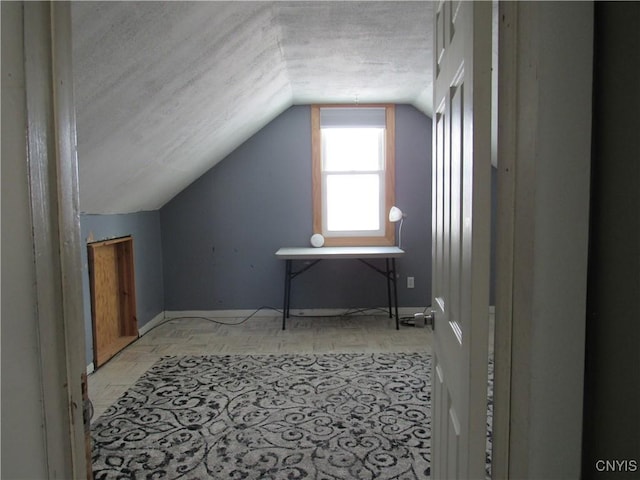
(165, 90)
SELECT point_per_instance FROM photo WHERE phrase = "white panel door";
(461, 236)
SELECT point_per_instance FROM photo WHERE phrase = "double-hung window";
(353, 173)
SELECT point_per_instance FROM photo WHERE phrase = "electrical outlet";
(410, 282)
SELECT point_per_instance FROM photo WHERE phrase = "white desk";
(389, 254)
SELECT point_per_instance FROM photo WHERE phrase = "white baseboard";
(90, 368)
(307, 312)
(326, 312)
(151, 324)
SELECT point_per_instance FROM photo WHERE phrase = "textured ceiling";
(165, 90)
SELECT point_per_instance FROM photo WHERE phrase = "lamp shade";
(395, 214)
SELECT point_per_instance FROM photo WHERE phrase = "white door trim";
(505, 217)
(543, 182)
(53, 184)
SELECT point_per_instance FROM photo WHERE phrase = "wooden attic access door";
(113, 298)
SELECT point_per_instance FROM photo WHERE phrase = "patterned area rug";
(329, 417)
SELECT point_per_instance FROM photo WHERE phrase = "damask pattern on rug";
(331, 416)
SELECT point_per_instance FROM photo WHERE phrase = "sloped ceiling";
(165, 90)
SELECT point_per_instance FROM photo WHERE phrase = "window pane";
(353, 202)
(352, 149)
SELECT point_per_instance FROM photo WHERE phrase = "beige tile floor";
(257, 335)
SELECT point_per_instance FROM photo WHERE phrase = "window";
(353, 173)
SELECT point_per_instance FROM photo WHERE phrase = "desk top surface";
(295, 253)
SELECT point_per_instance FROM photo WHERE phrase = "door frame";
(505, 234)
(72, 325)
(54, 195)
(544, 144)
(48, 25)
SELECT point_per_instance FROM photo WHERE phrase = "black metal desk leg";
(395, 291)
(287, 293)
(389, 272)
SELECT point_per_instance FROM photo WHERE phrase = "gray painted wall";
(220, 234)
(144, 227)
(23, 437)
(612, 385)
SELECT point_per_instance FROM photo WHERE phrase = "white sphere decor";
(317, 240)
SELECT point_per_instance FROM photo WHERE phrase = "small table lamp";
(396, 215)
